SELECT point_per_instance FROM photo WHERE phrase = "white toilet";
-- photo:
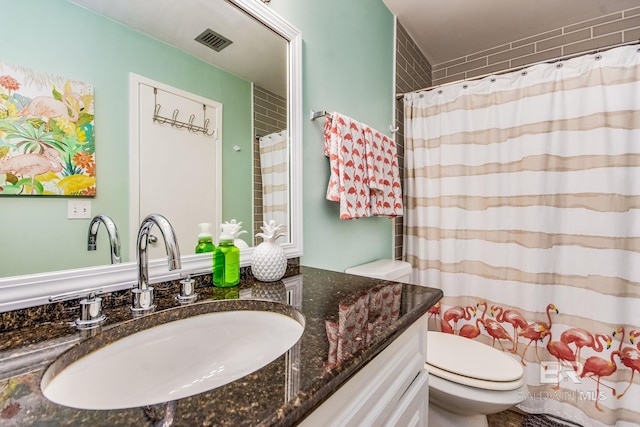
(467, 379)
(385, 269)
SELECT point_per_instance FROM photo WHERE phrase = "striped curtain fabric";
(274, 164)
(523, 205)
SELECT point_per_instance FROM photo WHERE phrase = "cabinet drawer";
(412, 410)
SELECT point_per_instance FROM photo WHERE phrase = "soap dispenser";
(205, 240)
(226, 258)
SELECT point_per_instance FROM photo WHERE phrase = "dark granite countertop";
(348, 321)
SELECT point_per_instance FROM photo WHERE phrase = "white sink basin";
(173, 360)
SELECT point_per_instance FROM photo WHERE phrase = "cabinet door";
(372, 395)
(412, 410)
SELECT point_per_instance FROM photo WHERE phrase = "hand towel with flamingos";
(364, 178)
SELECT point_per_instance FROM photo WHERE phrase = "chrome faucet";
(143, 293)
(112, 230)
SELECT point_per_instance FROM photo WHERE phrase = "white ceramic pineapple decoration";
(269, 260)
(236, 230)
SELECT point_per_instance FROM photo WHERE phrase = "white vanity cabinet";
(391, 390)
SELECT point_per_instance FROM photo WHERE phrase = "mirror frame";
(35, 289)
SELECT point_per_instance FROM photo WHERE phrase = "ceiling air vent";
(213, 40)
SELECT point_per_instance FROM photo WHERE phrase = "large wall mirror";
(262, 62)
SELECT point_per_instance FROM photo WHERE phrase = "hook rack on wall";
(174, 122)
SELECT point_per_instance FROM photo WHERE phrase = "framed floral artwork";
(47, 142)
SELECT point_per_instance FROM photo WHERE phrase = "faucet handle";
(142, 301)
(90, 312)
(90, 307)
(187, 290)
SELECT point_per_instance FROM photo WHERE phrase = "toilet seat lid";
(472, 382)
(472, 359)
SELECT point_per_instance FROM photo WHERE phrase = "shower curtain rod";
(522, 67)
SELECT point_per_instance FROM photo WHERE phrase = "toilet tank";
(386, 269)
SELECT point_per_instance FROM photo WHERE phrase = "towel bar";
(323, 113)
(315, 114)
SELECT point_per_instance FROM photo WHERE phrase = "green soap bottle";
(205, 240)
(226, 259)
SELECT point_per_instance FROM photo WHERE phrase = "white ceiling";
(257, 54)
(448, 29)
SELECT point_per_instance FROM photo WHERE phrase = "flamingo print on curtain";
(274, 162)
(523, 205)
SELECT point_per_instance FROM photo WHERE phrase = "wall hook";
(174, 122)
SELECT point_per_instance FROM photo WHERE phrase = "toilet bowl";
(467, 379)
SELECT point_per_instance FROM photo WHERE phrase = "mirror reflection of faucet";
(143, 293)
(112, 230)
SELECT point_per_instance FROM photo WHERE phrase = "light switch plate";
(79, 209)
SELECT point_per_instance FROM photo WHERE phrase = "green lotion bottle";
(205, 240)
(226, 259)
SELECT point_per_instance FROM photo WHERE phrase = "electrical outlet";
(79, 209)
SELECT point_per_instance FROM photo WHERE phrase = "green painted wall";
(57, 37)
(347, 67)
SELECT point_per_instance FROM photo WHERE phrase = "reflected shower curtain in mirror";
(274, 161)
(523, 205)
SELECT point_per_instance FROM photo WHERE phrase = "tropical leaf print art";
(47, 143)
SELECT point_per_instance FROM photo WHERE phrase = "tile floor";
(505, 419)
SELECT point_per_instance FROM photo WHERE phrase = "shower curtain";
(523, 205)
(274, 162)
